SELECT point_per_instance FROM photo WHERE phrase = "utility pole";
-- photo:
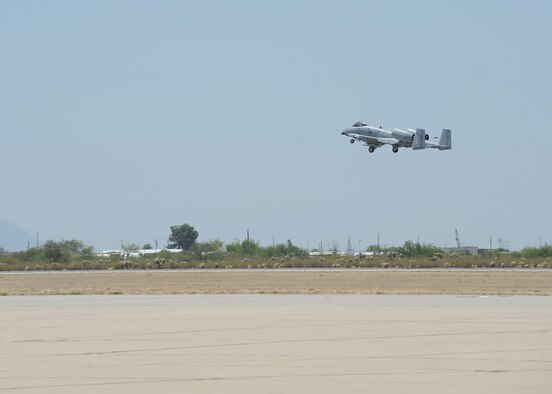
(156, 245)
(378, 242)
(491, 243)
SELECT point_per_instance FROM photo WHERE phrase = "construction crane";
(457, 238)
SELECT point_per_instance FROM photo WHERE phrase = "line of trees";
(408, 249)
(185, 237)
(251, 248)
(55, 252)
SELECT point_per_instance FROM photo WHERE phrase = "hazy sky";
(119, 119)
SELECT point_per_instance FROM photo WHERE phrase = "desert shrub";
(531, 252)
(411, 249)
(282, 250)
(32, 254)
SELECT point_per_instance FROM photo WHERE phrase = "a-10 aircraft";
(374, 137)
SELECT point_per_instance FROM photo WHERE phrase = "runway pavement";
(275, 344)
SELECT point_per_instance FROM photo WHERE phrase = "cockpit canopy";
(359, 124)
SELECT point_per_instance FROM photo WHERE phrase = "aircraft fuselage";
(370, 131)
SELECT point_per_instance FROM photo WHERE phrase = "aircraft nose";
(343, 132)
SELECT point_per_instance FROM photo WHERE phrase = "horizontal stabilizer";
(419, 141)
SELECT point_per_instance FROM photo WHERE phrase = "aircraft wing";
(391, 141)
(363, 138)
(374, 141)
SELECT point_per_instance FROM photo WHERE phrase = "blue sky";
(119, 119)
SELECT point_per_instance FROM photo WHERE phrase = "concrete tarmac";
(275, 344)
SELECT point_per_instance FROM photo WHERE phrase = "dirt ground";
(461, 282)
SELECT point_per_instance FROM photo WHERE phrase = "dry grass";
(497, 282)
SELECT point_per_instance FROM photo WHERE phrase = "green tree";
(54, 251)
(543, 251)
(249, 248)
(87, 252)
(182, 237)
(235, 248)
(72, 246)
(147, 246)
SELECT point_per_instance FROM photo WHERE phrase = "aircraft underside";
(373, 145)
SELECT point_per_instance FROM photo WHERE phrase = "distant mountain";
(13, 238)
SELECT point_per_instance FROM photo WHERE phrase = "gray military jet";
(374, 137)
